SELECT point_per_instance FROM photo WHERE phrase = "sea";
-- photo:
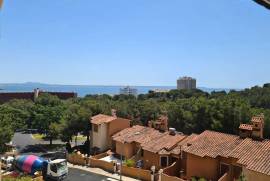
(83, 90)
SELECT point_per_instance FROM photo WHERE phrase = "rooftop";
(254, 155)
(183, 144)
(150, 139)
(213, 144)
(163, 144)
(102, 118)
(138, 134)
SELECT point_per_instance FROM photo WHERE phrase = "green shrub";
(202, 179)
(129, 163)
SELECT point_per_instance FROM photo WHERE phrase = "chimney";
(114, 113)
(257, 126)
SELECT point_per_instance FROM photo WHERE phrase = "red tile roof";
(101, 118)
(150, 139)
(183, 144)
(213, 144)
(163, 144)
(138, 134)
(254, 155)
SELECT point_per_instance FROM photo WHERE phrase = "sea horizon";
(83, 90)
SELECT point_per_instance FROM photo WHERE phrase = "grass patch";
(38, 136)
(80, 138)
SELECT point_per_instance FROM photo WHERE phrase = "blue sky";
(223, 43)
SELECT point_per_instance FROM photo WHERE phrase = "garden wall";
(136, 173)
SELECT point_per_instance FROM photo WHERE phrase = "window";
(142, 152)
(53, 168)
(164, 161)
(95, 128)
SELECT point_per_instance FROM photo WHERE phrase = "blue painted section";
(37, 165)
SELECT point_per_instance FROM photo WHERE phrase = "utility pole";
(121, 164)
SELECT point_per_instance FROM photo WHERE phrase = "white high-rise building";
(128, 91)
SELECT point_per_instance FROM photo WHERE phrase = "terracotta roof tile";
(213, 144)
(252, 154)
(183, 144)
(150, 139)
(138, 134)
(101, 118)
(163, 144)
(255, 155)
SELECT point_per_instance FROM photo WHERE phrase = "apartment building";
(186, 83)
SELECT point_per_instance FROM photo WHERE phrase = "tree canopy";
(189, 111)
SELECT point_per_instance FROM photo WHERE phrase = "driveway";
(26, 144)
(80, 175)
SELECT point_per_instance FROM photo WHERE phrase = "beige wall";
(255, 176)
(114, 127)
(103, 138)
(99, 139)
(202, 167)
(117, 125)
(126, 150)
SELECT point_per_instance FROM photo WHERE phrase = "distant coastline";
(84, 90)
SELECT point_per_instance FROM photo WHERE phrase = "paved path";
(81, 175)
(99, 171)
(26, 144)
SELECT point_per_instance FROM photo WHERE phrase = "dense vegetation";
(188, 111)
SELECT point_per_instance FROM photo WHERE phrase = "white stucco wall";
(100, 138)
